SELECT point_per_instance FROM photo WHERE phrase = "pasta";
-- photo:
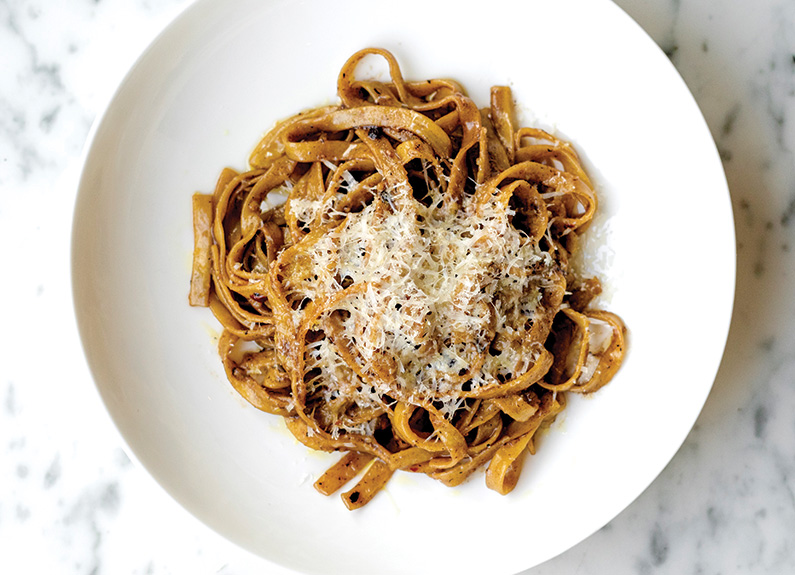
(392, 277)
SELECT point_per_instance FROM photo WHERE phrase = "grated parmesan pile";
(438, 289)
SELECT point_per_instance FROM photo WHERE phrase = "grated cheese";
(437, 288)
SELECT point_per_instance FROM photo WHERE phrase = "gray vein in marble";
(784, 466)
(22, 513)
(17, 443)
(788, 213)
(781, 82)
(49, 73)
(715, 520)
(87, 515)
(10, 403)
(122, 459)
(53, 473)
(659, 546)
(726, 130)
(670, 46)
(32, 113)
(761, 418)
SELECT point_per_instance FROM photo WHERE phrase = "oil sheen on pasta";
(409, 301)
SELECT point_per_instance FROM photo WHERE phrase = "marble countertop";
(71, 501)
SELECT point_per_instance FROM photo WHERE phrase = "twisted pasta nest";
(392, 276)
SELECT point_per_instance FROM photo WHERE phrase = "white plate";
(201, 96)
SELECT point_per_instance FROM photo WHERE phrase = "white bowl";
(200, 97)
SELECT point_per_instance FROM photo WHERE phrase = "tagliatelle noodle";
(392, 277)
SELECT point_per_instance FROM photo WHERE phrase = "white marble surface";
(72, 502)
